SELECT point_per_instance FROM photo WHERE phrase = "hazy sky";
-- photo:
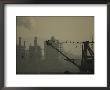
(74, 28)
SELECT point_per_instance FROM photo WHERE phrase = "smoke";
(23, 21)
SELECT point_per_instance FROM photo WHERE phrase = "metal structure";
(87, 62)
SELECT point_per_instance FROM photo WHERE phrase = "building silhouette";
(35, 51)
(28, 60)
(49, 52)
(20, 50)
(20, 55)
(56, 60)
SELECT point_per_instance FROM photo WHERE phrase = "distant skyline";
(72, 28)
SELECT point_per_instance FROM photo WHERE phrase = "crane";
(86, 60)
(67, 58)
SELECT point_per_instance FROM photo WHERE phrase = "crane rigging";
(86, 62)
(67, 58)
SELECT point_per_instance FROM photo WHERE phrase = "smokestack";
(19, 41)
(35, 41)
(24, 43)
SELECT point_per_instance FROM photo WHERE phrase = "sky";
(71, 28)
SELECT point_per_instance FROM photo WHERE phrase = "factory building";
(49, 52)
(35, 51)
(20, 50)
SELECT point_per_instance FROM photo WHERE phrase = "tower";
(53, 38)
(49, 52)
(24, 43)
(19, 41)
(35, 41)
